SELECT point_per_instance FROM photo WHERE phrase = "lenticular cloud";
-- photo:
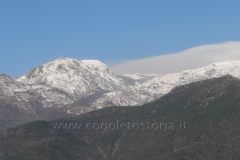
(189, 59)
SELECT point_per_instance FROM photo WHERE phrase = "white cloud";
(189, 59)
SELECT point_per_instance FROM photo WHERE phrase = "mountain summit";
(63, 69)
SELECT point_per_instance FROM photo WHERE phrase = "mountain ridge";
(67, 87)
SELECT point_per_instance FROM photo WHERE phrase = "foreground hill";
(199, 120)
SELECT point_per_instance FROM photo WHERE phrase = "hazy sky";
(34, 32)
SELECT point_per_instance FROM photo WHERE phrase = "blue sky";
(34, 32)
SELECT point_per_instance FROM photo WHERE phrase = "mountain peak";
(89, 61)
(90, 64)
(65, 66)
(74, 77)
(95, 65)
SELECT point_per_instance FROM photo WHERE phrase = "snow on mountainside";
(67, 81)
(66, 87)
(81, 86)
(157, 85)
(8, 85)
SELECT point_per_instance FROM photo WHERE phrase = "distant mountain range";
(199, 120)
(68, 87)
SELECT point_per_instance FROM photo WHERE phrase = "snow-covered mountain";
(68, 81)
(89, 84)
(157, 85)
(70, 87)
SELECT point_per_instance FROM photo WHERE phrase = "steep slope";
(18, 106)
(10, 108)
(198, 121)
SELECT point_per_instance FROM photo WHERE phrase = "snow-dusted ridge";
(162, 84)
(80, 86)
(66, 81)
